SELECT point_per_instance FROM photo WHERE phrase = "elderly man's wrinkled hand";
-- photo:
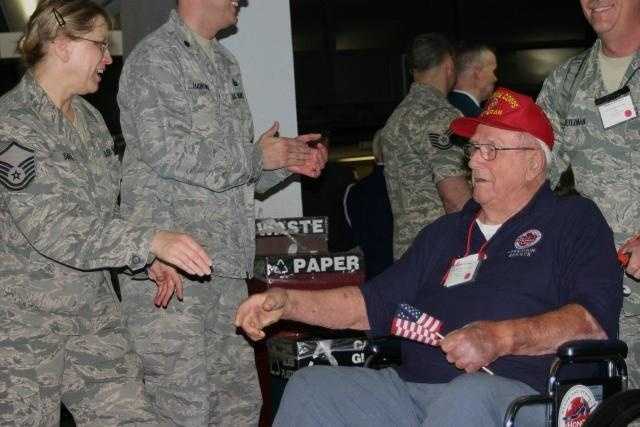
(168, 282)
(259, 311)
(632, 249)
(473, 346)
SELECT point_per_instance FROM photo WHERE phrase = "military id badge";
(462, 270)
(616, 108)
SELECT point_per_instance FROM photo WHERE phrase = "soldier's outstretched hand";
(168, 281)
(280, 152)
(261, 310)
(314, 165)
(632, 249)
(181, 251)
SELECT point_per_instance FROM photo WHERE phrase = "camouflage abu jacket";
(417, 155)
(605, 162)
(191, 164)
(59, 224)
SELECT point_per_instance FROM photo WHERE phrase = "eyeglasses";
(490, 151)
(104, 46)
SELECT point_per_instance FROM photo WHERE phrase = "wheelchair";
(620, 410)
(594, 400)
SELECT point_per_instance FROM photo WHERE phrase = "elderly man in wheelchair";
(486, 297)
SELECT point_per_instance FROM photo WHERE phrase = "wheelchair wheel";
(619, 410)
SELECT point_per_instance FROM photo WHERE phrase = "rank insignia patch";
(17, 166)
(441, 141)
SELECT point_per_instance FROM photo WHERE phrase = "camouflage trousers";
(630, 333)
(198, 371)
(85, 360)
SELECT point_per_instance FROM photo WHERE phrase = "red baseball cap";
(508, 110)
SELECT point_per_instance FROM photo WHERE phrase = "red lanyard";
(481, 252)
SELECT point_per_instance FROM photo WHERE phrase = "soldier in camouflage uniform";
(605, 160)
(191, 164)
(62, 337)
(425, 172)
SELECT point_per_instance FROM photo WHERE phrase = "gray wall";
(139, 18)
(264, 47)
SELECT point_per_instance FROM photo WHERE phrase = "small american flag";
(411, 323)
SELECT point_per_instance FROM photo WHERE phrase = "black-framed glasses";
(490, 151)
(102, 45)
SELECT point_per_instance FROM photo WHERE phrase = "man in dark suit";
(368, 213)
(476, 76)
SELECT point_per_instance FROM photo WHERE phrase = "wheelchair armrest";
(382, 352)
(592, 349)
(517, 404)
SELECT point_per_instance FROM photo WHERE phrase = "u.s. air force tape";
(17, 165)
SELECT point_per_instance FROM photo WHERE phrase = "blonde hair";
(54, 17)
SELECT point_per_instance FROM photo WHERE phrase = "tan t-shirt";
(205, 45)
(613, 70)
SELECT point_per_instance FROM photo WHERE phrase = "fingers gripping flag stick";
(411, 323)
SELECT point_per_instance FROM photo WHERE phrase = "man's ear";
(477, 68)
(450, 70)
(536, 164)
(451, 65)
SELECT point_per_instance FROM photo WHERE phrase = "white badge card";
(616, 108)
(462, 270)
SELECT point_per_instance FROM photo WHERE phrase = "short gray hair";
(428, 51)
(469, 54)
(528, 138)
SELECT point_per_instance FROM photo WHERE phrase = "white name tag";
(462, 270)
(616, 108)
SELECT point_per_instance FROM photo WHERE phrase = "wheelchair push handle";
(590, 349)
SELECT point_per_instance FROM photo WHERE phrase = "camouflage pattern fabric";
(198, 371)
(86, 361)
(191, 165)
(418, 153)
(604, 162)
(61, 331)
